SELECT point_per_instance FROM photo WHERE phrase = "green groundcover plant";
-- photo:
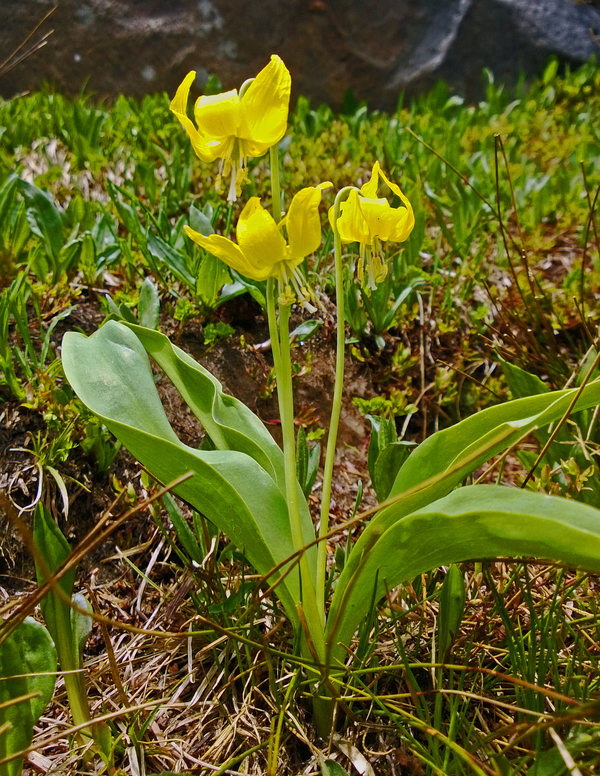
(246, 485)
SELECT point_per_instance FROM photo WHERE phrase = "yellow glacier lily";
(369, 220)
(231, 127)
(262, 252)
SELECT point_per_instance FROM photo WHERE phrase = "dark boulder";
(375, 47)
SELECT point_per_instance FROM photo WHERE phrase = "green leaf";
(7, 195)
(230, 291)
(257, 289)
(520, 382)
(200, 222)
(332, 768)
(176, 261)
(65, 625)
(212, 276)
(479, 521)
(44, 218)
(184, 532)
(441, 462)
(81, 624)
(111, 374)
(388, 463)
(127, 213)
(226, 420)
(551, 763)
(452, 607)
(305, 331)
(27, 665)
(53, 550)
(374, 449)
(314, 458)
(301, 458)
(149, 305)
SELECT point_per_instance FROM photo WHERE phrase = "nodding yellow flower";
(231, 127)
(368, 220)
(262, 252)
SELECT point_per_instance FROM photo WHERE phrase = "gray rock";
(510, 36)
(375, 47)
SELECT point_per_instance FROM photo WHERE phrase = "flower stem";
(280, 345)
(275, 190)
(336, 404)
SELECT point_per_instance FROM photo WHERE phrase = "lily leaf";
(226, 420)
(479, 521)
(443, 460)
(111, 374)
(27, 668)
(53, 549)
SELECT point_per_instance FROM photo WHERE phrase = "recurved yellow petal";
(303, 223)
(365, 216)
(264, 108)
(369, 189)
(260, 239)
(406, 218)
(179, 108)
(223, 249)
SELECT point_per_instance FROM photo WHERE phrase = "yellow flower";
(261, 251)
(232, 128)
(369, 220)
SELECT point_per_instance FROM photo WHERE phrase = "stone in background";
(376, 47)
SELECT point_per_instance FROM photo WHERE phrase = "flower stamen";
(293, 288)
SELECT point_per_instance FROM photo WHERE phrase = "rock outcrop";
(375, 47)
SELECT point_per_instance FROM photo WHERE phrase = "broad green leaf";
(520, 382)
(53, 550)
(566, 442)
(44, 217)
(127, 213)
(305, 330)
(256, 288)
(200, 222)
(551, 762)
(7, 195)
(226, 420)
(441, 462)
(479, 521)
(314, 458)
(175, 260)
(27, 665)
(230, 291)
(301, 458)
(212, 276)
(374, 449)
(149, 305)
(111, 374)
(481, 436)
(332, 768)
(389, 461)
